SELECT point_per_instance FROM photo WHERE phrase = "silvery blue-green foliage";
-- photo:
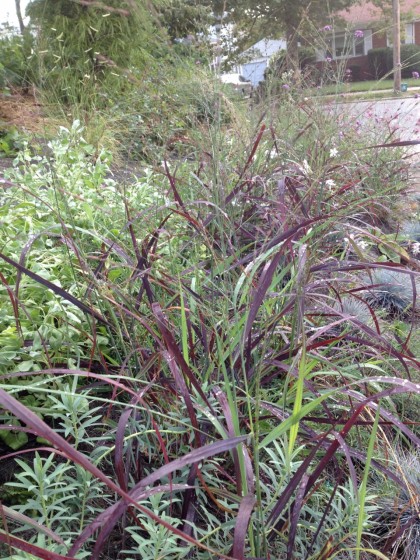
(411, 230)
(153, 542)
(355, 308)
(390, 290)
(61, 495)
(73, 414)
(276, 471)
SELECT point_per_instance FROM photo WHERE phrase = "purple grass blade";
(264, 283)
(40, 428)
(121, 470)
(175, 352)
(221, 397)
(297, 506)
(241, 526)
(283, 500)
(183, 389)
(110, 517)
(323, 519)
(397, 144)
(14, 542)
(285, 236)
(347, 452)
(240, 184)
(25, 520)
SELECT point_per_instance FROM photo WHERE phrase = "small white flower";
(333, 152)
(330, 184)
(306, 168)
(415, 248)
(362, 245)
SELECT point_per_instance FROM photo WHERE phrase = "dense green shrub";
(306, 56)
(410, 60)
(16, 68)
(379, 62)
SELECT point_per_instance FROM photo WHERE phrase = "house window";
(359, 46)
(342, 45)
(408, 38)
(407, 35)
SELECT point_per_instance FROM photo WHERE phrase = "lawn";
(366, 86)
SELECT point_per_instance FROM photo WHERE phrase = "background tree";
(184, 17)
(290, 19)
(87, 42)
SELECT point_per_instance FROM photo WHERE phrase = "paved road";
(400, 116)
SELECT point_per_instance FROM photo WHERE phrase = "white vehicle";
(238, 82)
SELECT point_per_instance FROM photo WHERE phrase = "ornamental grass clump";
(398, 519)
(394, 291)
(173, 340)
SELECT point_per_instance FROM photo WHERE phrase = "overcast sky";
(8, 12)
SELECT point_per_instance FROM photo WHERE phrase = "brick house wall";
(359, 65)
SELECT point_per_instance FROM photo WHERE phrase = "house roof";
(366, 11)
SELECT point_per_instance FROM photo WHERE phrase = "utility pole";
(396, 42)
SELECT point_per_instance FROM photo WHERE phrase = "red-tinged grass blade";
(172, 183)
(141, 265)
(110, 517)
(285, 236)
(227, 413)
(396, 144)
(264, 283)
(175, 353)
(25, 520)
(400, 387)
(183, 389)
(40, 428)
(389, 543)
(322, 521)
(239, 184)
(56, 289)
(14, 542)
(121, 470)
(350, 451)
(390, 418)
(13, 301)
(292, 185)
(241, 526)
(114, 514)
(297, 506)
(294, 482)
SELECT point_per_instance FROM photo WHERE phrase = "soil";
(22, 110)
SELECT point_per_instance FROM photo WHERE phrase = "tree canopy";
(290, 19)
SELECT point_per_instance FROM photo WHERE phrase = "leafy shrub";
(306, 59)
(410, 60)
(379, 62)
(18, 67)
